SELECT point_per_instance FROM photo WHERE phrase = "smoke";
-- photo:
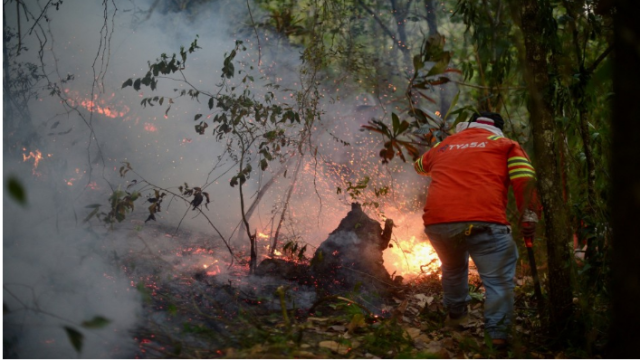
(60, 271)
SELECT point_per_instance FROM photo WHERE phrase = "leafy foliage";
(75, 337)
(427, 127)
(293, 250)
(357, 192)
(198, 195)
(236, 115)
(16, 190)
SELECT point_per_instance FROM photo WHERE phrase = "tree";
(539, 31)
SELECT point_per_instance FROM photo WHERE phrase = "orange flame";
(36, 156)
(99, 106)
(210, 268)
(411, 258)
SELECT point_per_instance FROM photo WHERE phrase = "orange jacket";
(471, 172)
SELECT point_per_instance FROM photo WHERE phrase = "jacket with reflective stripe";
(471, 172)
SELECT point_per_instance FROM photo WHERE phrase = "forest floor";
(199, 313)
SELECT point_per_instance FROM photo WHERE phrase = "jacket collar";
(466, 125)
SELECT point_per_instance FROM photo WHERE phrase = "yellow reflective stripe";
(418, 165)
(529, 170)
(522, 172)
(435, 145)
(494, 137)
(518, 164)
(522, 176)
(519, 159)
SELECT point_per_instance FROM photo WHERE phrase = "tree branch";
(375, 16)
(600, 58)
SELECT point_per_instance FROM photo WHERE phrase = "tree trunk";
(400, 15)
(430, 8)
(623, 336)
(535, 19)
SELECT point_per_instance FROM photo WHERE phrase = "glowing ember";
(411, 258)
(212, 270)
(99, 106)
(150, 127)
(36, 156)
(262, 235)
(79, 175)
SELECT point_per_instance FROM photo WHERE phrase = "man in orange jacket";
(465, 214)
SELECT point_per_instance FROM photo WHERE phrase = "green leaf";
(396, 123)
(210, 103)
(198, 116)
(136, 84)
(16, 191)
(453, 104)
(96, 322)
(439, 67)
(127, 83)
(417, 62)
(75, 337)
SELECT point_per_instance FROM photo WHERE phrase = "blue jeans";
(495, 254)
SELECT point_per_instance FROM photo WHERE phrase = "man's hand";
(528, 229)
(528, 223)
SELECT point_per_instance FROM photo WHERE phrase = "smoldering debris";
(352, 255)
(196, 298)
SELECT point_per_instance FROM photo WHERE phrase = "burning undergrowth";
(193, 293)
(199, 301)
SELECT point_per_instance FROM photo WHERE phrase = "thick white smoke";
(60, 271)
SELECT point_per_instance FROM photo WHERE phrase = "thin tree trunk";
(535, 17)
(588, 154)
(253, 260)
(400, 15)
(430, 7)
(573, 10)
(286, 205)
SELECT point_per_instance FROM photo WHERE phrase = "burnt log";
(351, 258)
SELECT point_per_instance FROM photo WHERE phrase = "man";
(465, 214)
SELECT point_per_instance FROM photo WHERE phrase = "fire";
(210, 269)
(99, 106)
(79, 174)
(36, 156)
(411, 258)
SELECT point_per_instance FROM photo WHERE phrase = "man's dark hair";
(497, 118)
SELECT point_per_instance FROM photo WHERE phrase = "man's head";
(489, 118)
